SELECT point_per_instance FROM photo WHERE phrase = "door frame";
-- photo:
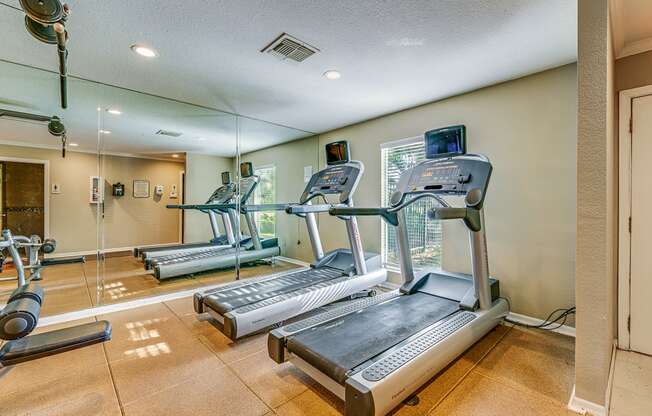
(625, 208)
(180, 197)
(46, 187)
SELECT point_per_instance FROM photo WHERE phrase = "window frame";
(257, 169)
(384, 227)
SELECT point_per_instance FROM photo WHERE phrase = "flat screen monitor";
(246, 169)
(337, 152)
(445, 142)
(226, 178)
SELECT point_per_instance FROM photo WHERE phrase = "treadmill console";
(223, 194)
(337, 179)
(337, 153)
(453, 176)
(247, 187)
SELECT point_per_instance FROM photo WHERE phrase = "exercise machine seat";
(54, 342)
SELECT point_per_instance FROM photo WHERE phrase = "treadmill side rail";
(376, 398)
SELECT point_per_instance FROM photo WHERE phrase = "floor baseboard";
(528, 320)
(585, 407)
(293, 261)
(106, 250)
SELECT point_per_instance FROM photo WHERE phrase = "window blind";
(425, 235)
(265, 193)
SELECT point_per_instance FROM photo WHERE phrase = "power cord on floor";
(547, 323)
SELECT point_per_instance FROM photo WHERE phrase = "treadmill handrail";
(308, 208)
(263, 207)
(203, 207)
(387, 213)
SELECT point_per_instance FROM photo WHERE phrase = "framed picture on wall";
(141, 188)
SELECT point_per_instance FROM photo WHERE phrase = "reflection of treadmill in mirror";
(245, 307)
(221, 195)
(252, 248)
(374, 353)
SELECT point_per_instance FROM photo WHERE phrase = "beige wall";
(527, 127)
(289, 159)
(203, 176)
(596, 203)
(130, 221)
(634, 71)
(127, 222)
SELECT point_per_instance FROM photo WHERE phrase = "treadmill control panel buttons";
(339, 179)
(385, 366)
(456, 176)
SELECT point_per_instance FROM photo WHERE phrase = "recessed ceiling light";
(145, 51)
(73, 144)
(105, 131)
(332, 74)
(175, 155)
(114, 111)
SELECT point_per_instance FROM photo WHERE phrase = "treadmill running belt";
(339, 346)
(229, 299)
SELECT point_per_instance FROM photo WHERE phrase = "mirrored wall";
(138, 173)
(47, 157)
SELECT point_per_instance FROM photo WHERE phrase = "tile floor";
(165, 360)
(631, 392)
(72, 287)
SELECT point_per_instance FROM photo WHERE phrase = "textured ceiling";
(392, 54)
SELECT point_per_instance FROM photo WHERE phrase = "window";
(265, 193)
(424, 235)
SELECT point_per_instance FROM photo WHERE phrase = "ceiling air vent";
(288, 47)
(168, 133)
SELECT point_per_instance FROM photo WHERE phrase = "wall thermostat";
(118, 189)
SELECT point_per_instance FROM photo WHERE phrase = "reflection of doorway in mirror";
(22, 195)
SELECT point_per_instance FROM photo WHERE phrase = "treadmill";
(374, 353)
(249, 249)
(223, 194)
(247, 307)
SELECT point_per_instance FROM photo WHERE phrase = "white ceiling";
(632, 26)
(392, 54)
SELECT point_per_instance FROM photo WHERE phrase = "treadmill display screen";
(445, 142)
(226, 178)
(246, 169)
(337, 152)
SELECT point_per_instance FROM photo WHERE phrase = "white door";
(641, 227)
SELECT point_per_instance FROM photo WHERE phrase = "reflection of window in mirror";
(265, 193)
(425, 235)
